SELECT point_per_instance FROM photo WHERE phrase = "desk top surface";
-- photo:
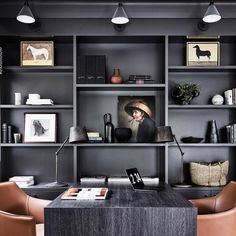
(123, 196)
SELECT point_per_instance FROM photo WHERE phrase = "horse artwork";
(37, 53)
(203, 53)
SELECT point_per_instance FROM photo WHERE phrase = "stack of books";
(85, 194)
(23, 181)
(231, 133)
(34, 99)
(140, 79)
(94, 137)
(99, 179)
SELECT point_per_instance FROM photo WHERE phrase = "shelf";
(120, 86)
(189, 69)
(201, 106)
(42, 186)
(34, 145)
(41, 69)
(120, 145)
(200, 188)
(36, 107)
(204, 145)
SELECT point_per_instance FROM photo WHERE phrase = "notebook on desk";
(137, 182)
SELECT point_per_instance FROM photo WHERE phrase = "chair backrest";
(226, 199)
(12, 199)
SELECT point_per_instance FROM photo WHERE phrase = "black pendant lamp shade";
(25, 15)
(212, 15)
(120, 17)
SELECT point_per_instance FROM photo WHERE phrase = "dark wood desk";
(125, 213)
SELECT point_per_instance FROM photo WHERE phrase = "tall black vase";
(212, 133)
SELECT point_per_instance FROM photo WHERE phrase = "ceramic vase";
(116, 77)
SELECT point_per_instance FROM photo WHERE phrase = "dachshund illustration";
(200, 53)
(38, 128)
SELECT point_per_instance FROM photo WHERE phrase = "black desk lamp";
(77, 135)
(164, 134)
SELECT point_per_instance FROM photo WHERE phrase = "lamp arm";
(59, 149)
(182, 153)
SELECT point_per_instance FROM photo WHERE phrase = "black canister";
(212, 133)
(108, 129)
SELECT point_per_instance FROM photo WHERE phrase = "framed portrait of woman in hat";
(138, 114)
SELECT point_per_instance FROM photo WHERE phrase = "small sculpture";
(217, 100)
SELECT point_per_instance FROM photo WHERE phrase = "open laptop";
(137, 182)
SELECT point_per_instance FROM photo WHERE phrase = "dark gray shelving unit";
(191, 120)
(161, 56)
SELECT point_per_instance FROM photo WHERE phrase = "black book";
(4, 133)
(9, 134)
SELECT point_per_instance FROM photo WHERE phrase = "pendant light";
(212, 15)
(120, 17)
(25, 15)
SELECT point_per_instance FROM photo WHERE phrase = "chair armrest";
(204, 205)
(220, 224)
(36, 207)
(16, 225)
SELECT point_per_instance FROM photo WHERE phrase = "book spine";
(4, 133)
(9, 134)
(231, 134)
(228, 133)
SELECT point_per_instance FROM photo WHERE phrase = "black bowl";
(191, 139)
(123, 134)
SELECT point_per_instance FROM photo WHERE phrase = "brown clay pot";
(116, 77)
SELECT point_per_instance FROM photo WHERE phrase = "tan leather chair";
(217, 215)
(20, 214)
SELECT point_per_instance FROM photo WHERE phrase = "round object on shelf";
(191, 139)
(217, 100)
(123, 134)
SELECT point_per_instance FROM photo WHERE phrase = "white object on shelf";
(39, 102)
(23, 181)
(17, 99)
(217, 100)
(228, 97)
(97, 179)
(125, 180)
(34, 96)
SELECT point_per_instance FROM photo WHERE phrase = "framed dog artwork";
(40, 128)
(203, 53)
(37, 53)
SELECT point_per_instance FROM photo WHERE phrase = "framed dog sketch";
(40, 128)
(203, 53)
(37, 53)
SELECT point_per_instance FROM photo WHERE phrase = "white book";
(39, 102)
(25, 184)
(98, 179)
(93, 134)
(34, 96)
(21, 178)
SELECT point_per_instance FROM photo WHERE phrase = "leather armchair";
(217, 215)
(20, 214)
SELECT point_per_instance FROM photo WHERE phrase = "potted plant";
(183, 93)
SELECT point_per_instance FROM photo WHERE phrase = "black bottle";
(108, 129)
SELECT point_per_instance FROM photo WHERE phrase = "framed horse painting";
(203, 53)
(37, 53)
(40, 128)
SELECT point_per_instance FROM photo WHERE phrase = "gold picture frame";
(37, 53)
(203, 54)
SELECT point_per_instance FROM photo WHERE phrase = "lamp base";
(56, 184)
(182, 185)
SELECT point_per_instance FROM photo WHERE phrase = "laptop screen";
(135, 178)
